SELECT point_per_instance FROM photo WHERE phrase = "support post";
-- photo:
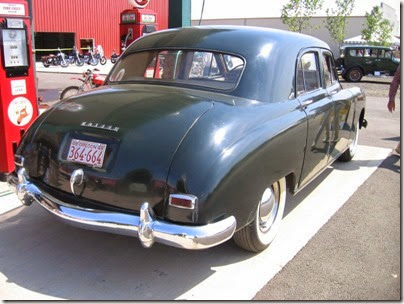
(179, 13)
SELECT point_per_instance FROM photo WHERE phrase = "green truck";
(359, 60)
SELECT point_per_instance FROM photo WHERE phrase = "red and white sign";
(139, 3)
(20, 111)
(12, 9)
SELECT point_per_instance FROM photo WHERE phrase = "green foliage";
(337, 19)
(378, 30)
(296, 14)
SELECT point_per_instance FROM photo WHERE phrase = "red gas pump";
(136, 22)
(18, 102)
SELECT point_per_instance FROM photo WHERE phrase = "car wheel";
(350, 152)
(354, 75)
(257, 235)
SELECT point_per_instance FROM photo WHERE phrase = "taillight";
(184, 201)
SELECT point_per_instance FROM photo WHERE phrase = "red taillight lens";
(183, 201)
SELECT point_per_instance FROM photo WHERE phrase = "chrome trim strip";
(99, 126)
(145, 226)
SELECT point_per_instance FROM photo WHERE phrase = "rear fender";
(232, 182)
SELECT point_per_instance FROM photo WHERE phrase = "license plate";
(87, 152)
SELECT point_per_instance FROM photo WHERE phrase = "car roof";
(365, 46)
(270, 54)
(233, 39)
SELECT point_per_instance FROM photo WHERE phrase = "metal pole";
(33, 54)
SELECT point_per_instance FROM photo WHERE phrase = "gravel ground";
(373, 86)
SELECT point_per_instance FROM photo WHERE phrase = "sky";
(225, 9)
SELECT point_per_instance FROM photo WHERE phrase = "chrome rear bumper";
(145, 226)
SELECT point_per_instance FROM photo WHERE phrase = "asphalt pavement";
(351, 251)
(357, 254)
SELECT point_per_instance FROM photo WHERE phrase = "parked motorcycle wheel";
(79, 62)
(69, 91)
(45, 64)
(103, 60)
(64, 63)
(93, 61)
(113, 59)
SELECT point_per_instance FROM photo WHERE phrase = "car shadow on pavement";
(388, 163)
(395, 138)
(54, 260)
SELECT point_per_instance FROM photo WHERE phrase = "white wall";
(354, 27)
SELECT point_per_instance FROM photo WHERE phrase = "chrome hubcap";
(355, 75)
(267, 209)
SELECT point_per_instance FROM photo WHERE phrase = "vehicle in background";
(59, 59)
(90, 80)
(357, 61)
(114, 56)
(99, 54)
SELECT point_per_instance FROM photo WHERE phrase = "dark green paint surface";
(223, 148)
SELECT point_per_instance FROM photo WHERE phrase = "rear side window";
(308, 76)
(385, 54)
(356, 52)
(370, 52)
(328, 69)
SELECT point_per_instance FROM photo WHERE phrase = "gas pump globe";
(136, 22)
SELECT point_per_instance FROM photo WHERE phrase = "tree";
(297, 13)
(337, 19)
(378, 30)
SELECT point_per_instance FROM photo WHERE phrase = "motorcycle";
(78, 59)
(114, 57)
(99, 54)
(102, 59)
(59, 59)
(90, 58)
(90, 80)
(73, 56)
(62, 59)
(47, 61)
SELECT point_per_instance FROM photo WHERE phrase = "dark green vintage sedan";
(196, 137)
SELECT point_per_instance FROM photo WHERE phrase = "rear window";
(184, 67)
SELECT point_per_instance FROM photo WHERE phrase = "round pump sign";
(20, 111)
(139, 3)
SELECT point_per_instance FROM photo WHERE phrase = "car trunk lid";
(140, 128)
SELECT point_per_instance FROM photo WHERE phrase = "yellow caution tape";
(54, 50)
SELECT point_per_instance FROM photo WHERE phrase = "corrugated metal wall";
(98, 19)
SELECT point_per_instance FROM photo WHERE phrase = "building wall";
(389, 13)
(98, 19)
(354, 27)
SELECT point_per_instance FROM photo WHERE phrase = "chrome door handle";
(306, 103)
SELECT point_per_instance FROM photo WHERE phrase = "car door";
(369, 60)
(343, 116)
(385, 63)
(314, 101)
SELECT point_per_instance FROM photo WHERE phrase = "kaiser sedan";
(198, 135)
